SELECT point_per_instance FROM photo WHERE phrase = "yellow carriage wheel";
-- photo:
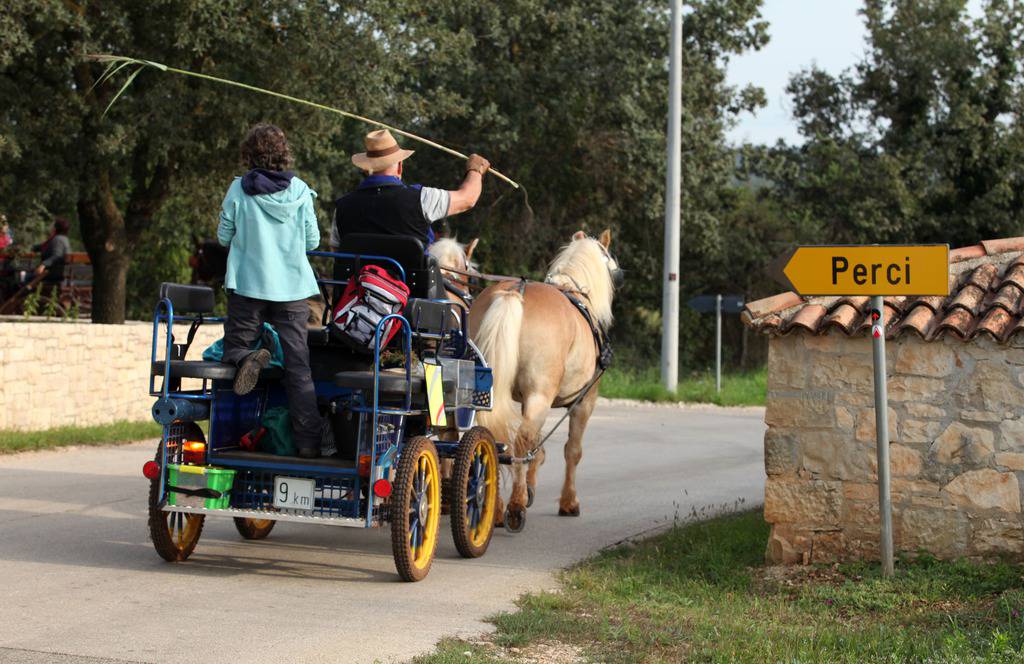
(474, 492)
(174, 534)
(253, 529)
(415, 508)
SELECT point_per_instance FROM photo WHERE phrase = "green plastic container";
(198, 478)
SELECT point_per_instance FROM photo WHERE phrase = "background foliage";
(920, 141)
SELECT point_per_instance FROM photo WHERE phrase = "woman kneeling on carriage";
(268, 222)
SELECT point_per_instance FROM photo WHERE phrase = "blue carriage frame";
(351, 501)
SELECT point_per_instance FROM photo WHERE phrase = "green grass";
(738, 389)
(119, 432)
(700, 593)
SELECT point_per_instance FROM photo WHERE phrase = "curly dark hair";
(265, 146)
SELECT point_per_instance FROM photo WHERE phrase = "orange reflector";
(382, 488)
(151, 470)
(195, 452)
(364, 465)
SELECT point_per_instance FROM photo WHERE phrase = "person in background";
(6, 239)
(382, 204)
(268, 223)
(53, 254)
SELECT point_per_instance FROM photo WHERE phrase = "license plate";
(293, 493)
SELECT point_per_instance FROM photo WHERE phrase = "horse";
(544, 354)
(453, 255)
(209, 263)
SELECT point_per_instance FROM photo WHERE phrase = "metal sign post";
(718, 344)
(882, 433)
(720, 304)
(873, 270)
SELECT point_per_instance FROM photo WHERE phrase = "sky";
(828, 33)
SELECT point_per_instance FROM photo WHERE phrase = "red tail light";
(151, 470)
(382, 488)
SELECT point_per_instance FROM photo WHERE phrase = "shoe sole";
(249, 373)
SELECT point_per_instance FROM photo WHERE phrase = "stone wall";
(956, 418)
(74, 373)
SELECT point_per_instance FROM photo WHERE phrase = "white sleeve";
(434, 203)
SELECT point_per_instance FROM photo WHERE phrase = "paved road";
(80, 582)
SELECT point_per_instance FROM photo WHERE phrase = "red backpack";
(368, 297)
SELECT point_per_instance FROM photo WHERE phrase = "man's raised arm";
(466, 196)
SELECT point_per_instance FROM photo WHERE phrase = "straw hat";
(382, 150)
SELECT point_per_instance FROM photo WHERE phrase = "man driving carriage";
(383, 204)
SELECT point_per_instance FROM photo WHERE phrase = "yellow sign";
(435, 396)
(880, 269)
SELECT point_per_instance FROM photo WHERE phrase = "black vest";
(388, 209)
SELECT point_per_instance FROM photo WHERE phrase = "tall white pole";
(670, 280)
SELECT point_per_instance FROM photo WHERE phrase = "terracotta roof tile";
(986, 298)
(969, 299)
(920, 320)
(845, 317)
(809, 317)
(1008, 298)
(983, 275)
(958, 321)
(997, 322)
(966, 253)
(1015, 275)
(775, 303)
(1003, 246)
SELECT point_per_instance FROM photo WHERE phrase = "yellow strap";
(435, 396)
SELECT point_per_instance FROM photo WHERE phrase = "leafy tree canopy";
(923, 139)
(567, 96)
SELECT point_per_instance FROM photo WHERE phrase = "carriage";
(396, 433)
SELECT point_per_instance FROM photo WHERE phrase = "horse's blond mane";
(581, 265)
(450, 253)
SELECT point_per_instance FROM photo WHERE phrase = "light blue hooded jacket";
(268, 236)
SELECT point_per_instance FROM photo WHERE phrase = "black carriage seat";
(207, 370)
(392, 382)
(188, 299)
(422, 273)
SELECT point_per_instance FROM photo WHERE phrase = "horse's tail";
(498, 341)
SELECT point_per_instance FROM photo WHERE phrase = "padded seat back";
(422, 274)
(188, 299)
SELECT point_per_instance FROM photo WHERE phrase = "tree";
(922, 141)
(572, 98)
(567, 96)
(115, 172)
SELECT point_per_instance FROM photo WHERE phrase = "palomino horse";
(453, 255)
(543, 354)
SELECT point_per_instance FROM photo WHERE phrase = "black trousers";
(241, 330)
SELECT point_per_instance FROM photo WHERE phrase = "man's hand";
(41, 270)
(477, 163)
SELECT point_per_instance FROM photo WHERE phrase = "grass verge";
(119, 432)
(738, 389)
(701, 593)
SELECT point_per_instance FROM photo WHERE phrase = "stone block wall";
(77, 374)
(956, 418)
